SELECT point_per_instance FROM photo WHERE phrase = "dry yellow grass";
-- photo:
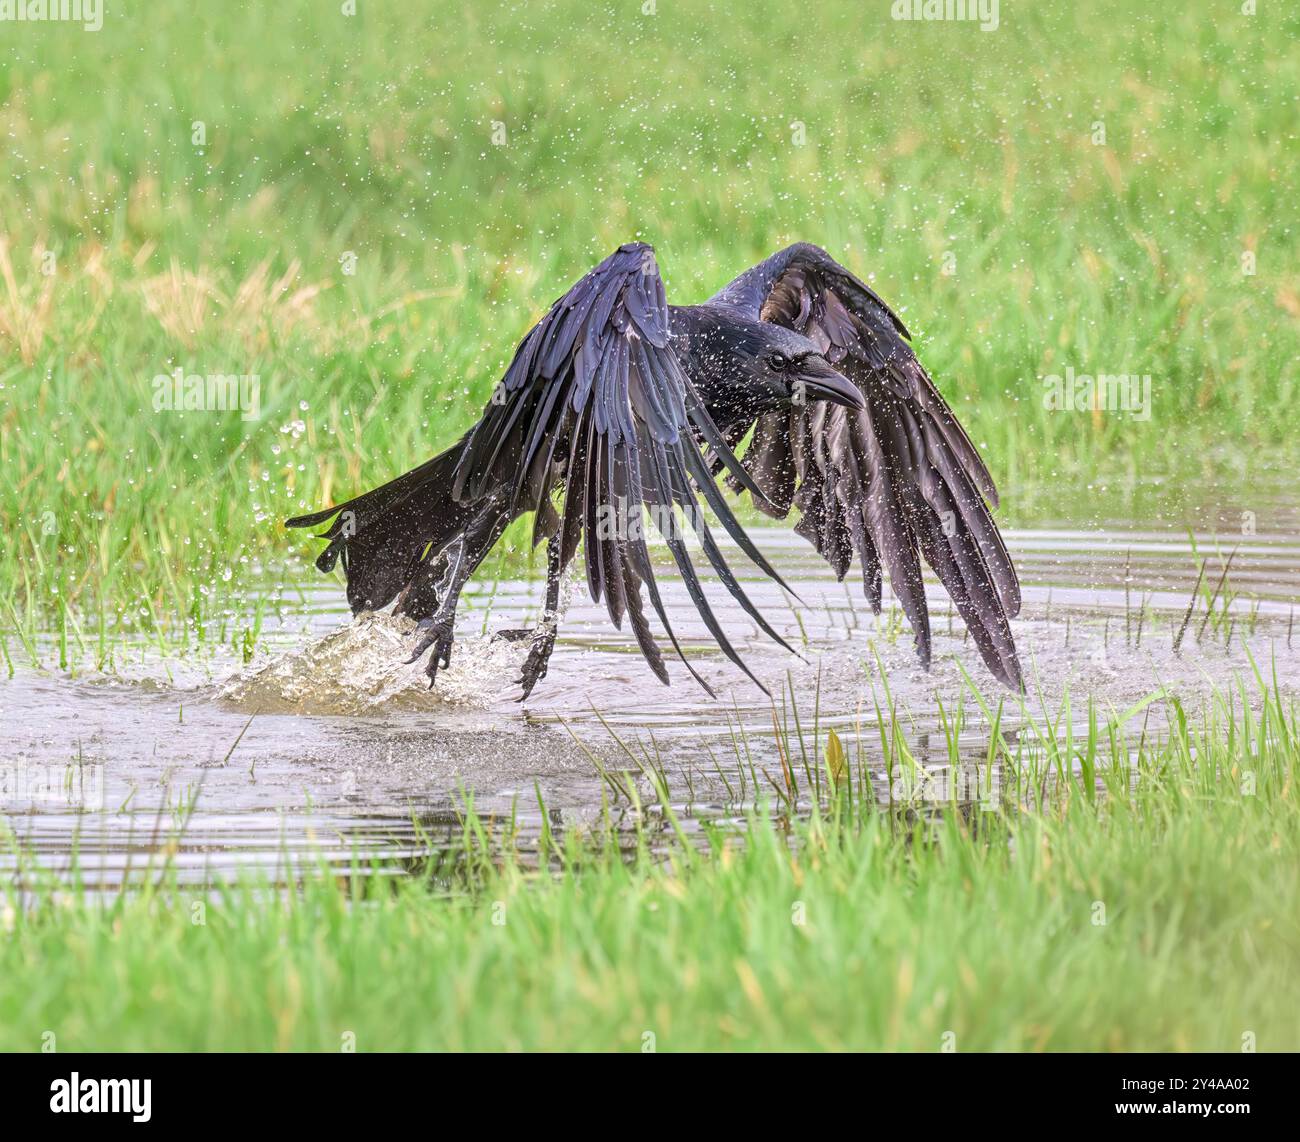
(24, 310)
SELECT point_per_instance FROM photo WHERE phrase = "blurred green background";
(1089, 185)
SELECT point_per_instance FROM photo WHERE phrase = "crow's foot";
(436, 633)
(539, 655)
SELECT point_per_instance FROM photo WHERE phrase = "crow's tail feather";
(386, 534)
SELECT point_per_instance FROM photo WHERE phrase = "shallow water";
(327, 745)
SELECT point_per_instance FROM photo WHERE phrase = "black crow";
(618, 406)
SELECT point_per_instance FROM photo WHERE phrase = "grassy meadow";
(190, 189)
(366, 213)
(1161, 914)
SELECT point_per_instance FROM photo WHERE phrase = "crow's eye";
(779, 362)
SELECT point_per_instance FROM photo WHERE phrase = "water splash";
(362, 669)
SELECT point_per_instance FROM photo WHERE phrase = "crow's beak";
(818, 381)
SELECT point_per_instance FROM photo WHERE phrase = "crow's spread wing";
(595, 407)
(896, 482)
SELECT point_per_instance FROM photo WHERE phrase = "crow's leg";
(460, 559)
(437, 629)
(539, 653)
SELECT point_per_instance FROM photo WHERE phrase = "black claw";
(439, 636)
(428, 630)
(535, 665)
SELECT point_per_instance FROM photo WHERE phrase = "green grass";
(325, 135)
(1094, 907)
(719, 133)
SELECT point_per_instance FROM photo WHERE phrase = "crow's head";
(788, 367)
(758, 366)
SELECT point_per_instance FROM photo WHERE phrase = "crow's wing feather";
(895, 483)
(595, 406)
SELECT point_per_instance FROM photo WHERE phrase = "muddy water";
(326, 745)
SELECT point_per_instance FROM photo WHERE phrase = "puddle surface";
(327, 744)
